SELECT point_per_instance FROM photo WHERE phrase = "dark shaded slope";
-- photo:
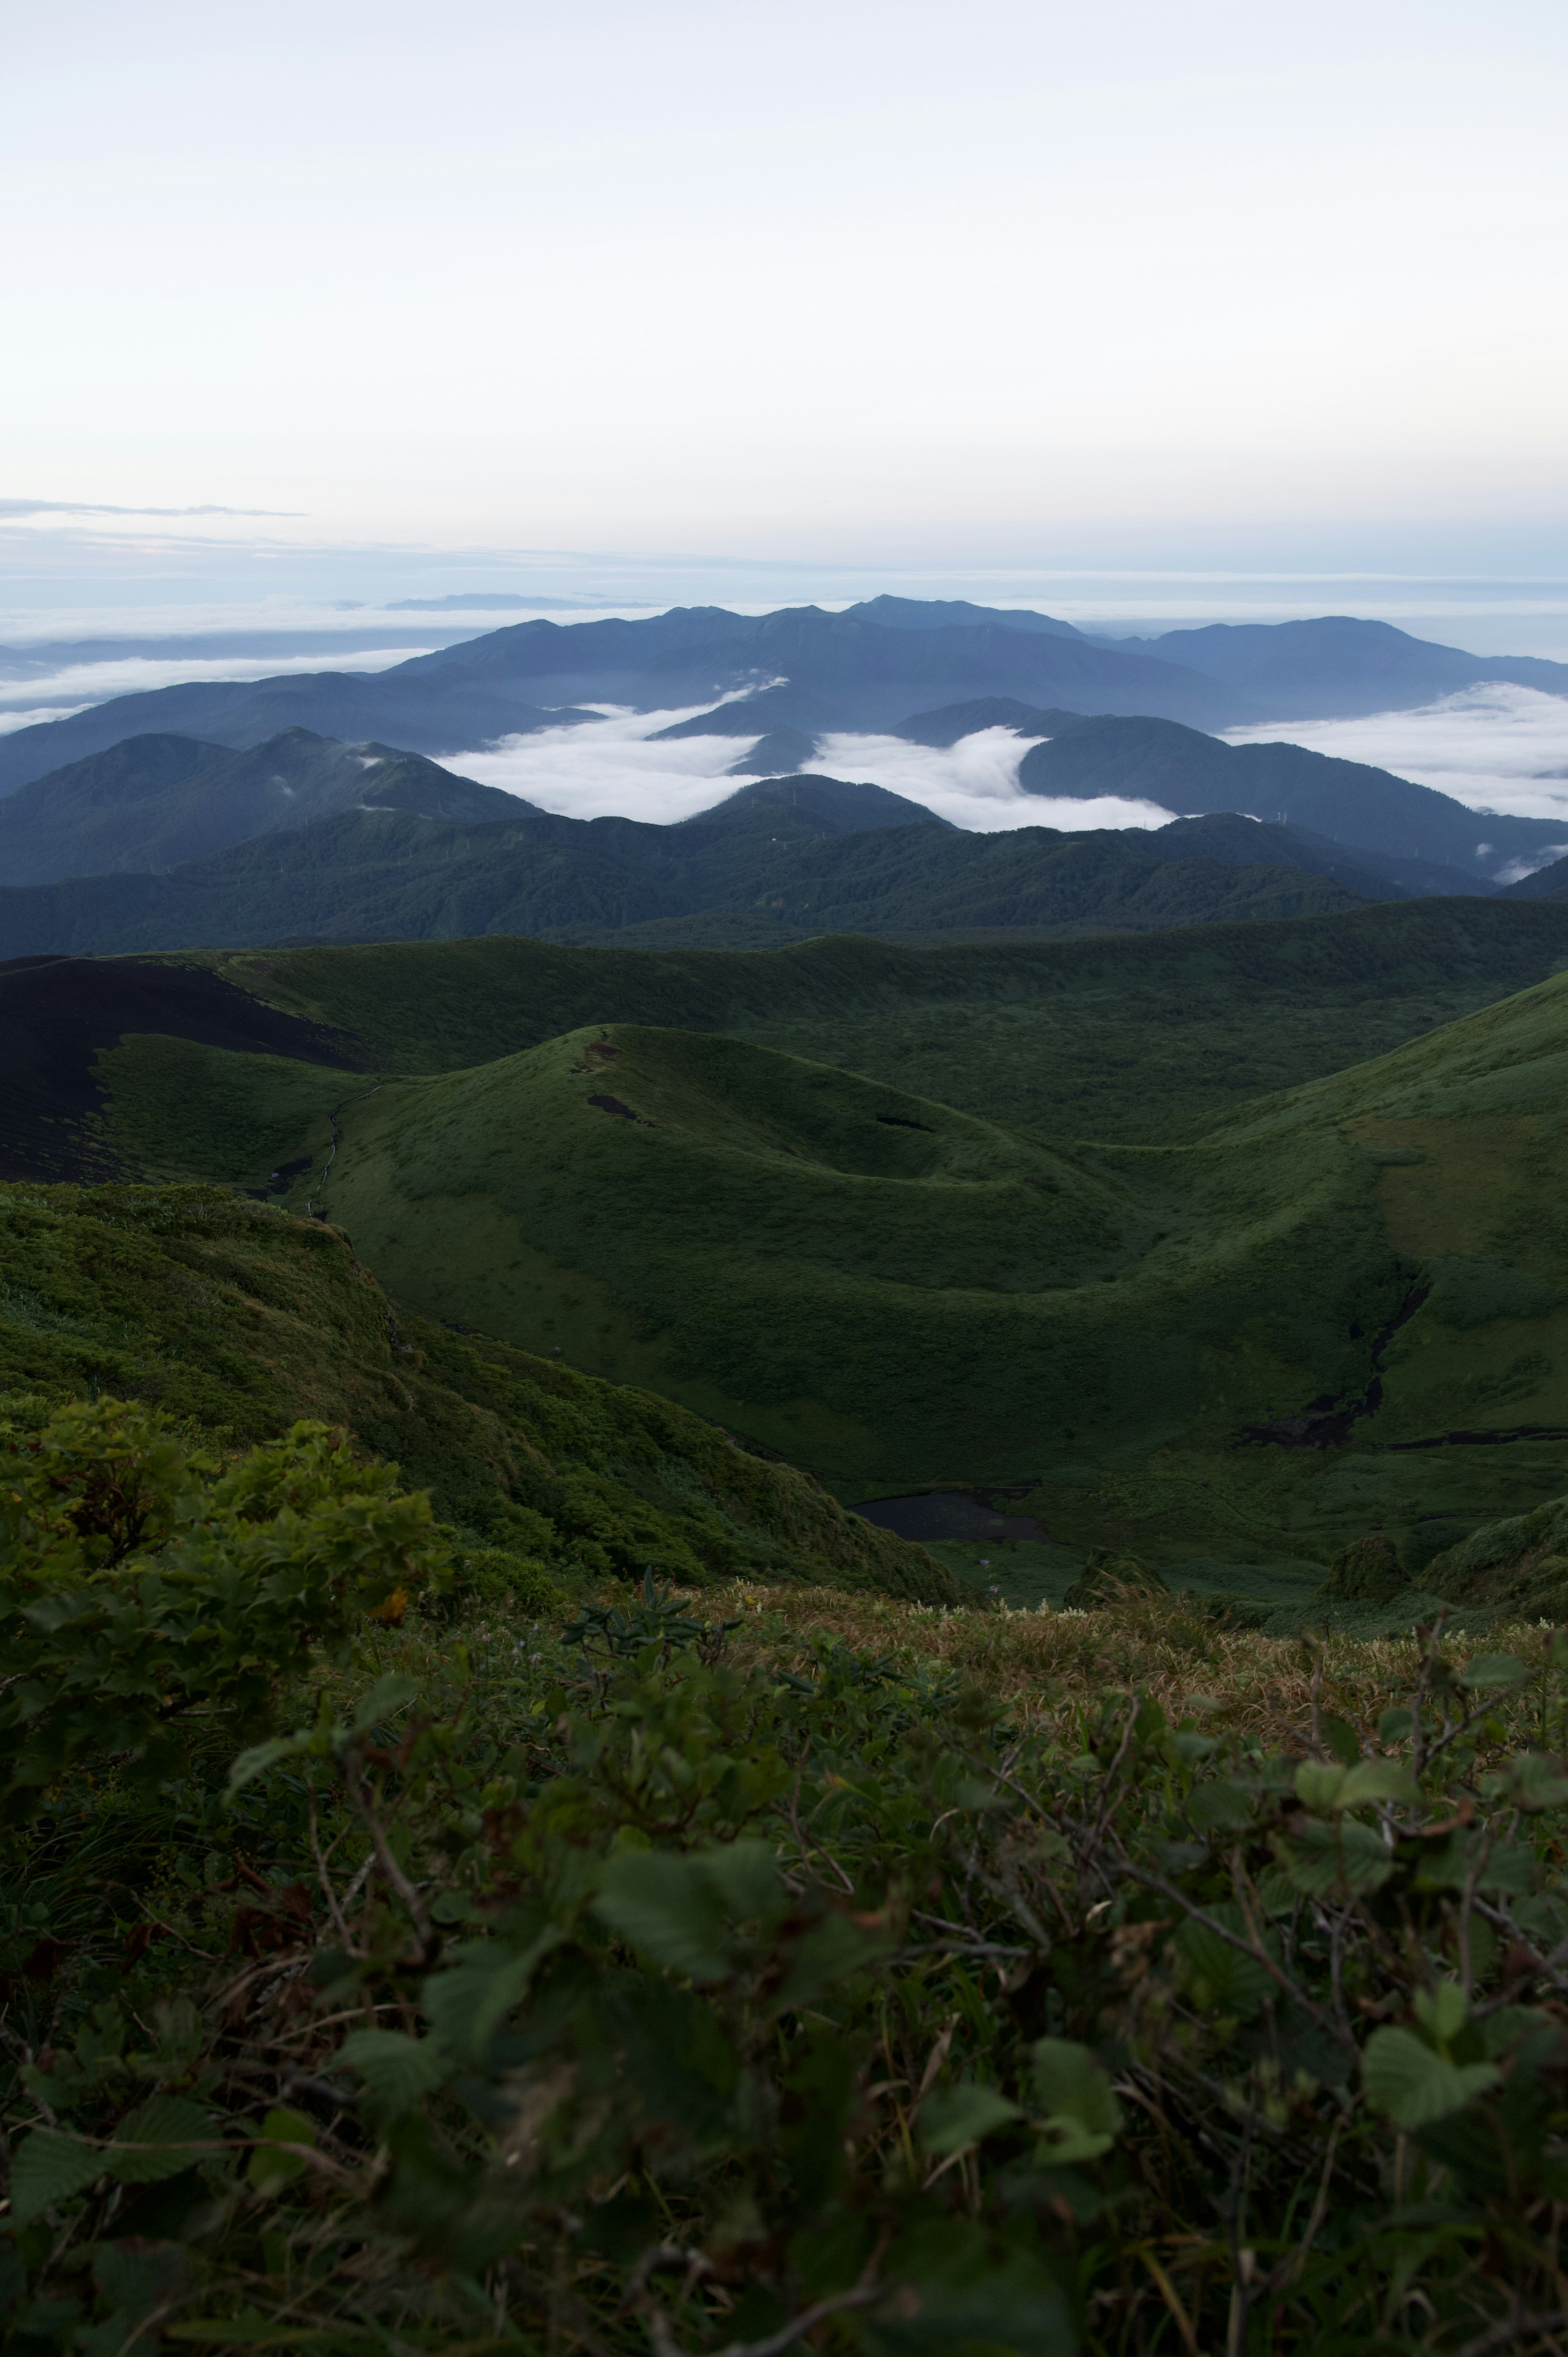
(782, 753)
(828, 805)
(873, 674)
(1360, 807)
(925, 879)
(1375, 874)
(1337, 666)
(154, 802)
(57, 1015)
(354, 707)
(1101, 1035)
(953, 721)
(394, 875)
(753, 716)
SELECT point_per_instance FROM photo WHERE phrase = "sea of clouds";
(610, 767)
(1496, 747)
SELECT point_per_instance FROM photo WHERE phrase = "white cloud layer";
(56, 694)
(610, 767)
(1494, 748)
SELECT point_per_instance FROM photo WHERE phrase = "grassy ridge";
(239, 1319)
(903, 1295)
(1094, 1037)
(962, 1301)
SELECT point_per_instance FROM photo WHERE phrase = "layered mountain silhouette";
(165, 841)
(1355, 804)
(866, 668)
(430, 856)
(1546, 884)
(1338, 667)
(154, 802)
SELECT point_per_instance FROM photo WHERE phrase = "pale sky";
(846, 278)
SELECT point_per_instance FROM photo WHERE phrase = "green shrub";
(149, 1594)
(617, 1991)
(1368, 1571)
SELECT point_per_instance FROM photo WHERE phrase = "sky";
(351, 299)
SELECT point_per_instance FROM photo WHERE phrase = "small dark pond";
(950, 1514)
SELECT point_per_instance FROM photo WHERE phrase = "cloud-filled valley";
(1495, 747)
(614, 768)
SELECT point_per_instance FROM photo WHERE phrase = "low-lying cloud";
(610, 767)
(55, 695)
(1494, 748)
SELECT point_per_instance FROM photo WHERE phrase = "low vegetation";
(236, 1319)
(395, 1967)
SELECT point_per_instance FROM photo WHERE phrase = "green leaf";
(385, 1696)
(1539, 1781)
(669, 1910)
(830, 1951)
(745, 1875)
(468, 2003)
(1325, 1860)
(1222, 1979)
(955, 2116)
(271, 2167)
(1326, 1790)
(399, 2071)
(171, 2126)
(259, 1759)
(1082, 2117)
(1341, 1738)
(1495, 1670)
(1395, 1726)
(1405, 2080)
(49, 2168)
(1376, 1779)
(1223, 1802)
(1318, 1783)
(1443, 2010)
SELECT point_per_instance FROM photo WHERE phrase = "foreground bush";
(147, 1592)
(625, 1990)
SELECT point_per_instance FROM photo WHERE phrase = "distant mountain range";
(1338, 668)
(864, 670)
(398, 848)
(1357, 805)
(164, 843)
(156, 802)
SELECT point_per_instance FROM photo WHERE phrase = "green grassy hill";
(1113, 1038)
(239, 1319)
(1031, 1219)
(1345, 1307)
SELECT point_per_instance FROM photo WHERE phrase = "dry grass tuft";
(1262, 1686)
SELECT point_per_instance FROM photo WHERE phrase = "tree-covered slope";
(370, 874)
(156, 802)
(241, 1320)
(1355, 804)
